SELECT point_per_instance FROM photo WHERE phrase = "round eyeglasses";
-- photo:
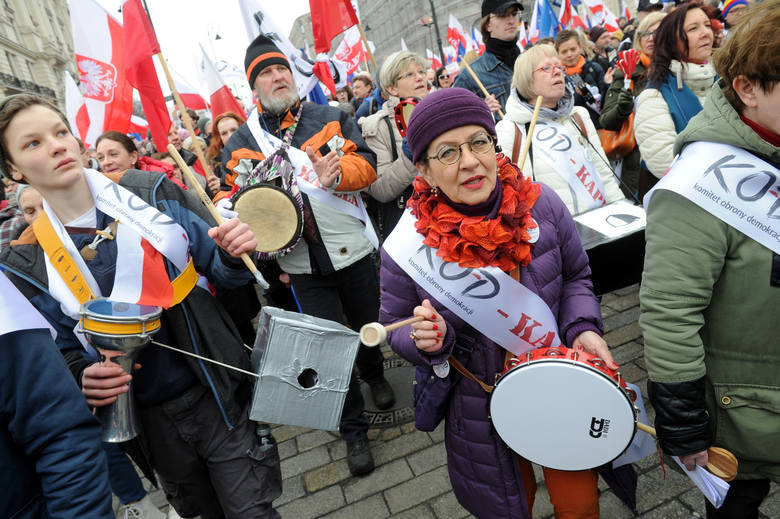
(449, 154)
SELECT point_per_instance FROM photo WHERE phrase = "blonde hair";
(526, 63)
(647, 22)
(395, 64)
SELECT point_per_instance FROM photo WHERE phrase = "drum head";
(562, 415)
(272, 214)
(107, 318)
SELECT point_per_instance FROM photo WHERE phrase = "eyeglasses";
(410, 75)
(444, 76)
(645, 34)
(450, 154)
(549, 69)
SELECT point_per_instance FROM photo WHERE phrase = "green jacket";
(708, 308)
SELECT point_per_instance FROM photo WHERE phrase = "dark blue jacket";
(51, 462)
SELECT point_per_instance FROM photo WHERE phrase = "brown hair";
(483, 28)
(751, 50)
(118, 137)
(216, 145)
(564, 36)
(671, 42)
(366, 80)
(9, 108)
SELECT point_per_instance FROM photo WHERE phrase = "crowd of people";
(691, 88)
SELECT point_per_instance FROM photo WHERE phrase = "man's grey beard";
(278, 105)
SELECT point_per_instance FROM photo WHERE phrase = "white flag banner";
(733, 185)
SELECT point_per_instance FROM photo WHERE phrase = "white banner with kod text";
(733, 185)
(487, 298)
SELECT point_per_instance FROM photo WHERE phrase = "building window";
(11, 65)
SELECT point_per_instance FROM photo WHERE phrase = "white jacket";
(517, 115)
(653, 126)
(392, 176)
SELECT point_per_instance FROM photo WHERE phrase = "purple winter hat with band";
(442, 111)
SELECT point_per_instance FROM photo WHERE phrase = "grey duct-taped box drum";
(304, 365)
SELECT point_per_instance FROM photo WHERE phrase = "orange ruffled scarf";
(474, 241)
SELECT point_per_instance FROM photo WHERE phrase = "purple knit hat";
(442, 111)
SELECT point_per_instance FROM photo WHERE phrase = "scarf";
(769, 136)
(478, 241)
(576, 69)
(564, 108)
(506, 51)
(645, 60)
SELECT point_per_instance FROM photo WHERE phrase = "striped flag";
(98, 44)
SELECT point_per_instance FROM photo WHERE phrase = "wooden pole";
(368, 47)
(185, 117)
(479, 83)
(186, 171)
(529, 137)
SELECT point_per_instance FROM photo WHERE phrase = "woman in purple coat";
(475, 209)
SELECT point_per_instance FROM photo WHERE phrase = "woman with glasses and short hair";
(442, 78)
(402, 76)
(580, 174)
(475, 209)
(619, 101)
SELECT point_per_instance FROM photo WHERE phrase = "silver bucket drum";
(304, 365)
(119, 331)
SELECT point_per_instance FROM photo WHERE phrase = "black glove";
(681, 417)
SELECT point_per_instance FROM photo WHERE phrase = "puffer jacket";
(536, 167)
(342, 240)
(710, 332)
(653, 126)
(484, 472)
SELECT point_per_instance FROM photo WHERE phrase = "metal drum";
(119, 331)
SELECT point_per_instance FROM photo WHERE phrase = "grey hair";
(523, 77)
(394, 65)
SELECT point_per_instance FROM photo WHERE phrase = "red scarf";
(770, 137)
(474, 241)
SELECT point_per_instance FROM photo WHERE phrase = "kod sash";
(555, 143)
(731, 184)
(16, 312)
(487, 298)
(142, 233)
(349, 203)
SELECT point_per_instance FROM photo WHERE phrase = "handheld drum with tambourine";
(403, 111)
(563, 409)
(273, 216)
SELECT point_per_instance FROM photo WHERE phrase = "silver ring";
(413, 335)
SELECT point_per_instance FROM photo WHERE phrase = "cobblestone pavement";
(411, 481)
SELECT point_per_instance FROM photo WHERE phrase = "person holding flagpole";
(317, 154)
(135, 237)
(711, 282)
(474, 209)
(499, 27)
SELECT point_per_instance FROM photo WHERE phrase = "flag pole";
(185, 117)
(368, 47)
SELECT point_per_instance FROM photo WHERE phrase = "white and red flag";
(98, 43)
(329, 18)
(434, 59)
(140, 45)
(189, 96)
(602, 15)
(221, 98)
(476, 38)
(75, 108)
(457, 37)
(522, 37)
(569, 18)
(351, 50)
(138, 125)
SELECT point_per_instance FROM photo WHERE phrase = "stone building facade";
(35, 47)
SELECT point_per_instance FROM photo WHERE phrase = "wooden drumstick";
(213, 210)
(372, 334)
(529, 137)
(721, 462)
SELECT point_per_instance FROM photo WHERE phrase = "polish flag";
(351, 50)
(522, 37)
(329, 18)
(75, 108)
(602, 15)
(220, 97)
(457, 37)
(142, 277)
(138, 125)
(189, 96)
(433, 58)
(98, 44)
(140, 45)
(569, 18)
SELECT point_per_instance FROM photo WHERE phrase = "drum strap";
(69, 272)
(455, 363)
(61, 259)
